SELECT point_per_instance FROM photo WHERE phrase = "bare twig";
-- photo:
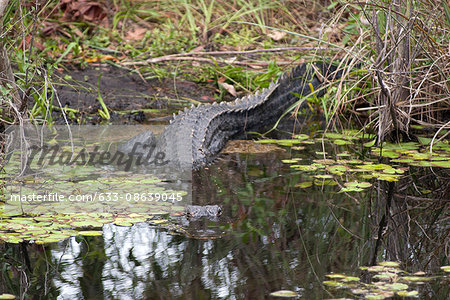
(210, 61)
(188, 56)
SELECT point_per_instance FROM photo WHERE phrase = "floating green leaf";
(442, 164)
(284, 294)
(304, 185)
(332, 135)
(392, 264)
(395, 286)
(424, 140)
(422, 163)
(155, 222)
(374, 268)
(401, 146)
(91, 233)
(291, 161)
(338, 169)
(370, 144)
(403, 160)
(390, 154)
(419, 156)
(386, 177)
(342, 142)
(323, 176)
(416, 278)
(355, 186)
(351, 278)
(123, 223)
(407, 293)
(305, 167)
(268, 141)
(446, 269)
(333, 283)
(301, 136)
(336, 276)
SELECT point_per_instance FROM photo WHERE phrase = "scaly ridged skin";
(197, 134)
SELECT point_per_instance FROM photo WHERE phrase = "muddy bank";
(128, 96)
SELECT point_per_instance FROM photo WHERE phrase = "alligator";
(196, 212)
(196, 135)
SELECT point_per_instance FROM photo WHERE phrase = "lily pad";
(304, 167)
(386, 177)
(333, 135)
(291, 161)
(338, 169)
(91, 233)
(407, 293)
(336, 276)
(390, 154)
(302, 136)
(422, 163)
(442, 164)
(392, 264)
(396, 286)
(416, 278)
(355, 186)
(323, 176)
(400, 146)
(321, 182)
(333, 283)
(342, 142)
(370, 144)
(284, 294)
(158, 221)
(304, 185)
(268, 141)
(446, 269)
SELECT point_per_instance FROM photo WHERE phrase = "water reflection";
(277, 237)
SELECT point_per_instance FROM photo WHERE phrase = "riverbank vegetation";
(395, 53)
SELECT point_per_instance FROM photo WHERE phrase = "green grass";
(340, 31)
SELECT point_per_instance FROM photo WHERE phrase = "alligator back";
(197, 134)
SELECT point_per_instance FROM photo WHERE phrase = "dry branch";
(188, 56)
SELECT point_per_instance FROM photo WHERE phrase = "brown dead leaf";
(27, 42)
(84, 10)
(229, 88)
(49, 28)
(198, 49)
(207, 98)
(276, 35)
(136, 33)
(75, 30)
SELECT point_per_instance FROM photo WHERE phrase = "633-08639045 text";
(101, 197)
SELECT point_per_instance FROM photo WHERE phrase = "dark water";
(271, 236)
